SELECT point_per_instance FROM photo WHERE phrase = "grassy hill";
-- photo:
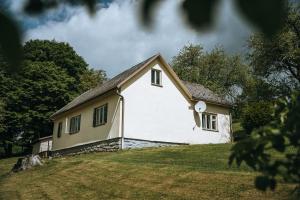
(183, 172)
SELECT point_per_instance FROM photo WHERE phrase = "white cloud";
(113, 39)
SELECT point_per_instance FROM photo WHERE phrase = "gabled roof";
(196, 91)
(105, 87)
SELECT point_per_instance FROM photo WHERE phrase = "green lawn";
(183, 172)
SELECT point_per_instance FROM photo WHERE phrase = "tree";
(60, 53)
(7, 85)
(255, 115)
(91, 78)
(277, 59)
(224, 74)
(50, 77)
(281, 134)
(42, 88)
(276, 62)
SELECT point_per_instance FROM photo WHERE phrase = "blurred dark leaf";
(262, 182)
(278, 143)
(35, 7)
(147, 8)
(199, 13)
(10, 42)
(91, 5)
(272, 184)
(267, 15)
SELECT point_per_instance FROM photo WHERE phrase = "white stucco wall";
(41, 146)
(164, 114)
(46, 145)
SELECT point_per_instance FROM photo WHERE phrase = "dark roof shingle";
(199, 92)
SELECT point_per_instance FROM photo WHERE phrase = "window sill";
(71, 133)
(210, 130)
(156, 85)
(96, 125)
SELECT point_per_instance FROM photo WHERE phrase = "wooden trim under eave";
(137, 71)
(86, 103)
(213, 103)
(177, 79)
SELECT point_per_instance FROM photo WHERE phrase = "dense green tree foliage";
(52, 74)
(281, 134)
(255, 115)
(225, 74)
(277, 59)
(60, 53)
(90, 79)
(275, 62)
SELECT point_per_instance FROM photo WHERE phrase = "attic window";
(156, 77)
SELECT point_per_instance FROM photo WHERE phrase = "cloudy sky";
(113, 39)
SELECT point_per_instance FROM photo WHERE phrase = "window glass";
(100, 115)
(209, 121)
(59, 129)
(203, 121)
(156, 77)
(214, 122)
(75, 124)
(153, 76)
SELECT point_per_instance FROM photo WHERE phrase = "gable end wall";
(166, 114)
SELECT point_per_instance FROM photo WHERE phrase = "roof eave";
(56, 115)
(228, 105)
(137, 71)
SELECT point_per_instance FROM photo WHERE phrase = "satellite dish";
(200, 106)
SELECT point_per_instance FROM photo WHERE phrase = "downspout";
(122, 121)
(231, 130)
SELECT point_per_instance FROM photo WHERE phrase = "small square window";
(209, 122)
(156, 77)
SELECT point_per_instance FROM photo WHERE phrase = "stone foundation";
(101, 146)
(130, 143)
(111, 145)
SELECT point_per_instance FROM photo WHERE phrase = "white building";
(42, 145)
(146, 105)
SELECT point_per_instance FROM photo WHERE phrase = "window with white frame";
(156, 77)
(75, 124)
(209, 122)
(59, 129)
(100, 115)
